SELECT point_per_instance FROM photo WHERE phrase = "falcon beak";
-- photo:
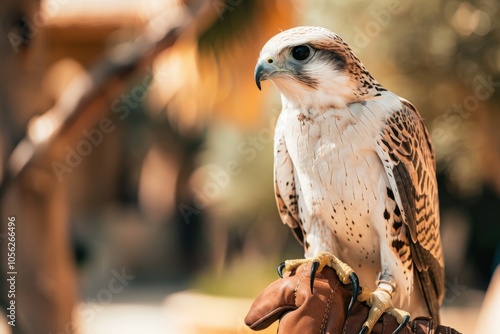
(264, 69)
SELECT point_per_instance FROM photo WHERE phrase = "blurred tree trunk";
(45, 280)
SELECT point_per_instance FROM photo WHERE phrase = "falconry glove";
(322, 310)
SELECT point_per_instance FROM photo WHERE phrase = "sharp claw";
(355, 291)
(363, 330)
(402, 324)
(314, 268)
(281, 266)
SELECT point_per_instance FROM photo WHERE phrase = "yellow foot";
(380, 301)
(344, 272)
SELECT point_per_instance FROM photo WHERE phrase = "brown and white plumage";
(354, 167)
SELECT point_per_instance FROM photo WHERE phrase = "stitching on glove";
(384, 324)
(345, 326)
(298, 283)
(327, 311)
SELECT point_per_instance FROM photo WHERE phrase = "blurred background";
(136, 152)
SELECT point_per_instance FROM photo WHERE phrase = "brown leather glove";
(324, 311)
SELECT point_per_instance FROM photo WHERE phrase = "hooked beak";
(264, 69)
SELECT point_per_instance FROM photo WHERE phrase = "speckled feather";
(405, 149)
(355, 169)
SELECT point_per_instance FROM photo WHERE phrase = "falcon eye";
(301, 52)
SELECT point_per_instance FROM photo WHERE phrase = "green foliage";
(245, 278)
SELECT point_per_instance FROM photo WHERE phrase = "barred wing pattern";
(406, 152)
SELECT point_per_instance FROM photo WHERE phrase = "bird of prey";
(354, 175)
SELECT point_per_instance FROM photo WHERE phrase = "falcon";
(354, 173)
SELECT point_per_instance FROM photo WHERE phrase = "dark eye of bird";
(300, 52)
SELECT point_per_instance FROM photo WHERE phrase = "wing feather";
(284, 185)
(405, 150)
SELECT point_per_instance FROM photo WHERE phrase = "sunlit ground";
(125, 318)
(178, 313)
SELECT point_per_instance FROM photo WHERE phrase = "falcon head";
(314, 67)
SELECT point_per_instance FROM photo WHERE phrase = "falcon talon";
(405, 321)
(355, 291)
(314, 268)
(363, 330)
(281, 266)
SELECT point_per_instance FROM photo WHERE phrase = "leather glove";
(299, 311)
